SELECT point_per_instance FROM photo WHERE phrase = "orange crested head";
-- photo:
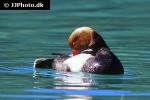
(81, 39)
(86, 38)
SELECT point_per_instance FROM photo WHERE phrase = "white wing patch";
(75, 63)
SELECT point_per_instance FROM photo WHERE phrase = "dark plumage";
(56, 64)
(105, 62)
(43, 63)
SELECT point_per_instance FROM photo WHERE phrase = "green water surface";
(27, 35)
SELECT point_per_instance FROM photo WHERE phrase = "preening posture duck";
(90, 54)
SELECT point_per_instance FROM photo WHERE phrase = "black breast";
(105, 62)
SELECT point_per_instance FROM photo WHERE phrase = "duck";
(90, 54)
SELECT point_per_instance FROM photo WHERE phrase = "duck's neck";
(99, 43)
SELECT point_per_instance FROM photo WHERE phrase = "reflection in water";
(59, 81)
(64, 83)
(75, 85)
(74, 81)
(82, 85)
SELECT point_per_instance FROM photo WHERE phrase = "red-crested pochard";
(90, 54)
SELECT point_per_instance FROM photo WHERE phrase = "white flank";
(75, 63)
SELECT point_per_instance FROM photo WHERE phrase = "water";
(27, 35)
